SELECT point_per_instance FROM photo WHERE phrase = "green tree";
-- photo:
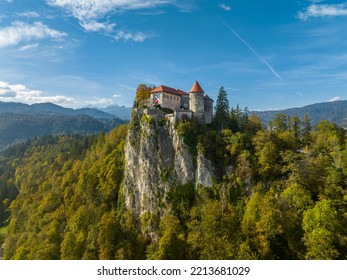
(295, 126)
(172, 244)
(262, 224)
(279, 123)
(306, 131)
(321, 226)
(109, 235)
(221, 116)
(212, 231)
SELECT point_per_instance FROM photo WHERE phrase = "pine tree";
(222, 117)
(306, 131)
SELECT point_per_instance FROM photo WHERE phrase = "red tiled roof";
(196, 88)
(166, 89)
(181, 92)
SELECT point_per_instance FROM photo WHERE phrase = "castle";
(192, 105)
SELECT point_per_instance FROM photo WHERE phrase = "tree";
(321, 226)
(238, 119)
(306, 131)
(143, 92)
(212, 230)
(267, 154)
(295, 126)
(172, 244)
(221, 116)
(109, 235)
(262, 224)
(279, 123)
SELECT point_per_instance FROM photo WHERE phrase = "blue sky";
(267, 54)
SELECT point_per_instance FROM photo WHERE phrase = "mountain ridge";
(332, 111)
(12, 107)
(20, 122)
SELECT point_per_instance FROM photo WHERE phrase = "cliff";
(156, 159)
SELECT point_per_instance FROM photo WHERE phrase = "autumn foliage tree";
(142, 94)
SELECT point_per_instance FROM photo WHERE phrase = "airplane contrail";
(273, 71)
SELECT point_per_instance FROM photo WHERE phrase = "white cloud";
(20, 93)
(95, 26)
(89, 13)
(336, 98)
(117, 95)
(28, 47)
(100, 102)
(126, 36)
(323, 10)
(225, 7)
(93, 9)
(21, 31)
(29, 14)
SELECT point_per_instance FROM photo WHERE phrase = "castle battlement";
(195, 104)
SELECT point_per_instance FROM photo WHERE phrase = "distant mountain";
(11, 107)
(19, 122)
(331, 111)
(121, 112)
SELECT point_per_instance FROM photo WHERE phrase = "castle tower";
(208, 108)
(196, 102)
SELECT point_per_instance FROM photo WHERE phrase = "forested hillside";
(331, 111)
(278, 193)
(20, 127)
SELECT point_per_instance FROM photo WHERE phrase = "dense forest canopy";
(279, 193)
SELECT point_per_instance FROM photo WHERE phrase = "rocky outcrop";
(204, 171)
(156, 158)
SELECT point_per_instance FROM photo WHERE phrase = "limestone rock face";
(156, 158)
(204, 172)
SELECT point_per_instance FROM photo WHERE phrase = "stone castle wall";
(208, 108)
(196, 102)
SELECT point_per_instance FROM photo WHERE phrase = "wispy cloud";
(323, 10)
(336, 98)
(22, 32)
(225, 7)
(29, 14)
(96, 101)
(117, 95)
(20, 93)
(90, 14)
(92, 9)
(28, 47)
(127, 36)
(95, 26)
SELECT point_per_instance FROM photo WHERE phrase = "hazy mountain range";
(19, 121)
(331, 111)
(110, 112)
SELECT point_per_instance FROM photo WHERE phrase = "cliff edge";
(156, 159)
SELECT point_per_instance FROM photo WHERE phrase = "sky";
(267, 54)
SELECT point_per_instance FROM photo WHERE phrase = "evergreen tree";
(306, 131)
(222, 117)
